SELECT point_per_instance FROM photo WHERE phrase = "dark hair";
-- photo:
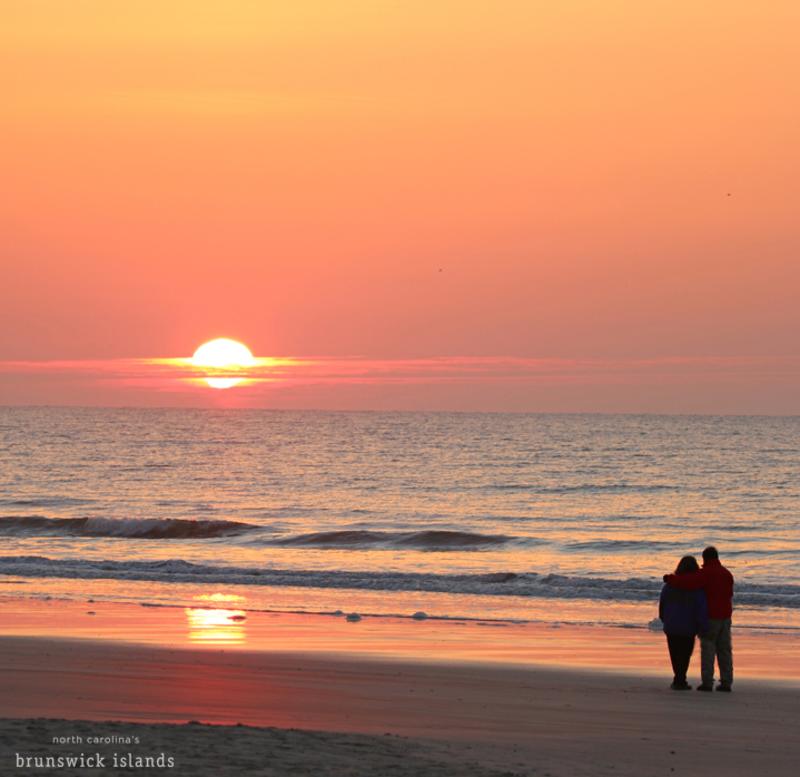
(710, 552)
(687, 565)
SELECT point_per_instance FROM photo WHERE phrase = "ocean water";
(555, 518)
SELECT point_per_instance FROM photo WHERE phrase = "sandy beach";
(241, 750)
(237, 710)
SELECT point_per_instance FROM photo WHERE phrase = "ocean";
(561, 519)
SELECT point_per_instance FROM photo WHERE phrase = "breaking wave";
(179, 528)
(419, 540)
(137, 528)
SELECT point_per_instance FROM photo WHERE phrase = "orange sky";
(607, 181)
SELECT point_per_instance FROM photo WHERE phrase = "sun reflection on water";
(216, 627)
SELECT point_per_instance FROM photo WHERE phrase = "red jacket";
(715, 580)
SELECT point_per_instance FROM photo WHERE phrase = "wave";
(730, 527)
(136, 528)
(524, 584)
(179, 528)
(590, 488)
(419, 540)
(620, 545)
(50, 501)
(771, 552)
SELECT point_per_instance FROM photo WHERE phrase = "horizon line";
(353, 411)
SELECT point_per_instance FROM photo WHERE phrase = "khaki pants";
(716, 643)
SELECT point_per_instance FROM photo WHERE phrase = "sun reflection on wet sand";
(217, 627)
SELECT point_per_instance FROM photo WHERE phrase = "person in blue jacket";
(684, 615)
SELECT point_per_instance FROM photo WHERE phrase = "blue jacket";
(683, 612)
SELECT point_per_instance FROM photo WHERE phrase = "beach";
(368, 699)
(377, 594)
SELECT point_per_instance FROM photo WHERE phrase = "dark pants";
(680, 652)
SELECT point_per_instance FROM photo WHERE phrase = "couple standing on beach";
(697, 601)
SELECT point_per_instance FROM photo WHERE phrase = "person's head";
(710, 553)
(686, 566)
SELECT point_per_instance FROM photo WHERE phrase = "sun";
(225, 355)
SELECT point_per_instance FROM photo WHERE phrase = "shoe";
(705, 687)
(724, 688)
(681, 687)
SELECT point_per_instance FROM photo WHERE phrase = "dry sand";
(445, 719)
(241, 750)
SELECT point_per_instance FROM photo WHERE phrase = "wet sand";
(759, 655)
(445, 716)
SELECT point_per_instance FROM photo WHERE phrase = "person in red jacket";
(717, 582)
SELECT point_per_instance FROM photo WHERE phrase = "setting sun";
(223, 354)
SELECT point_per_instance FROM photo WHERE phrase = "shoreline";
(207, 626)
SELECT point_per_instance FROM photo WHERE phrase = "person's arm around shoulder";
(691, 582)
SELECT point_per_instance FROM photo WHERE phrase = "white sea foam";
(531, 584)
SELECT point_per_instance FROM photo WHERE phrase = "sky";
(603, 195)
